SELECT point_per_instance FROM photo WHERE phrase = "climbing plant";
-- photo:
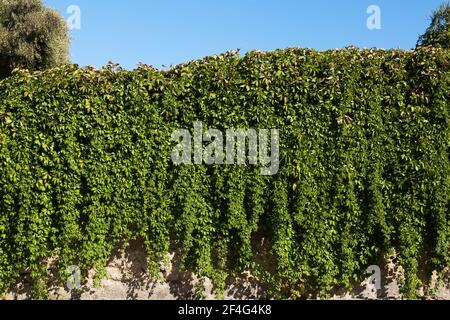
(85, 165)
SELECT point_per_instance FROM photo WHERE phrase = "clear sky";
(165, 32)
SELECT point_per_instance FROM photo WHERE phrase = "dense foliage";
(85, 165)
(438, 33)
(32, 36)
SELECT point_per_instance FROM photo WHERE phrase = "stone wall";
(127, 279)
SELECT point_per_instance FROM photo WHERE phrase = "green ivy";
(85, 165)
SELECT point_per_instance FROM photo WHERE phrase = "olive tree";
(32, 36)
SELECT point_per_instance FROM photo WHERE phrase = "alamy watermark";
(375, 277)
(74, 279)
(374, 20)
(74, 20)
(235, 146)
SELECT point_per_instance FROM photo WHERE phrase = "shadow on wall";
(127, 279)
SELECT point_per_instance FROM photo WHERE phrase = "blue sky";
(165, 32)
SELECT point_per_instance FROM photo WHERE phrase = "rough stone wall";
(127, 279)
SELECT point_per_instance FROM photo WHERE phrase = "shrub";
(438, 33)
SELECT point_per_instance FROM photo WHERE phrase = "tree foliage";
(438, 33)
(31, 36)
(85, 164)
